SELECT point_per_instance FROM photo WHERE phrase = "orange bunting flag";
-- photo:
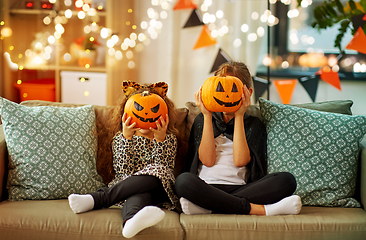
(285, 89)
(364, 18)
(185, 4)
(328, 76)
(358, 41)
(205, 38)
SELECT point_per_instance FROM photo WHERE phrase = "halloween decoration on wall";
(222, 94)
(145, 109)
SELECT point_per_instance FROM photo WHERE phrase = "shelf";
(47, 12)
(30, 11)
(66, 68)
(74, 68)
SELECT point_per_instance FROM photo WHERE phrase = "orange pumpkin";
(222, 94)
(145, 109)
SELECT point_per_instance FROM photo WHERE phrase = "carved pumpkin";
(222, 94)
(145, 109)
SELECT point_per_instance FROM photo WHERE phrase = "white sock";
(288, 205)
(190, 208)
(81, 203)
(146, 217)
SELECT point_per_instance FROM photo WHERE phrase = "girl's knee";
(183, 181)
(289, 179)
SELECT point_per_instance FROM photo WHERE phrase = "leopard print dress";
(143, 156)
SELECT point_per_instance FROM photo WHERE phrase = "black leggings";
(137, 191)
(235, 199)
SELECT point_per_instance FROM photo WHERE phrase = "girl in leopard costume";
(143, 160)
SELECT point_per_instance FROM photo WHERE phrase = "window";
(297, 49)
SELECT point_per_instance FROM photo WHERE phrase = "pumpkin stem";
(145, 93)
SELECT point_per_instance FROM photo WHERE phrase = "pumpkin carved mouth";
(146, 119)
(227, 104)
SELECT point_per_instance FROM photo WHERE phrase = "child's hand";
(245, 103)
(199, 103)
(128, 130)
(160, 131)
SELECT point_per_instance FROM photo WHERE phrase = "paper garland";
(185, 4)
(328, 76)
(358, 41)
(310, 83)
(358, 20)
(221, 58)
(194, 20)
(260, 86)
(285, 88)
(205, 38)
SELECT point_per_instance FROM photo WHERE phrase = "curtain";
(171, 58)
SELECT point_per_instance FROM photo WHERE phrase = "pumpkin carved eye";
(138, 106)
(220, 88)
(155, 109)
(235, 88)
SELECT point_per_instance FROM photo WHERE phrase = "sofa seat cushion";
(311, 223)
(53, 219)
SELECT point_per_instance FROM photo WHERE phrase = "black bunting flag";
(358, 21)
(310, 83)
(260, 86)
(221, 58)
(194, 20)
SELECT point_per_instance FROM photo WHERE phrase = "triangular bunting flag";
(285, 89)
(328, 76)
(364, 18)
(194, 20)
(310, 83)
(205, 38)
(358, 21)
(358, 41)
(185, 4)
(221, 58)
(260, 86)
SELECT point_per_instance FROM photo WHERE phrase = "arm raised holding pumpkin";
(160, 131)
(128, 130)
(207, 149)
(241, 152)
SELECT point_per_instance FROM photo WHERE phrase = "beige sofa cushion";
(53, 219)
(312, 223)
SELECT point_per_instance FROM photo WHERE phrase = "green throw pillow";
(320, 149)
(52, 151)
(335, 106)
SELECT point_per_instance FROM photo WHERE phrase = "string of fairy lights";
(142, 33)
(42, 47)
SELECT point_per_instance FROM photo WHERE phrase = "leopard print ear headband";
(129, 87)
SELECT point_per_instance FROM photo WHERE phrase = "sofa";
(53, 219)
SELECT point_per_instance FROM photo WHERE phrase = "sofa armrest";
(363, 173)
(3, 163)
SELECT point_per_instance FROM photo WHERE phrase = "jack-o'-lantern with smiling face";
(145, 109)
(222, 94)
